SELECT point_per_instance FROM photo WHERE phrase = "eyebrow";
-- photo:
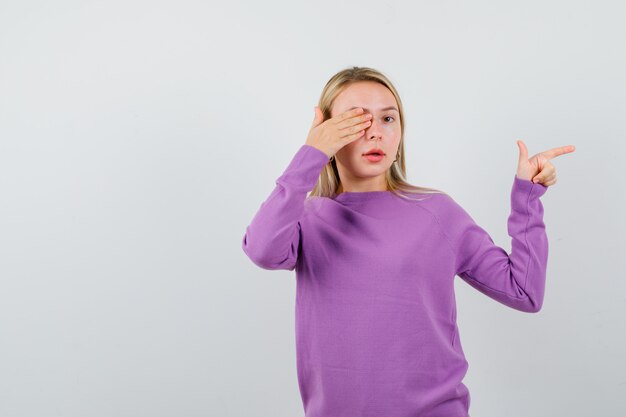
(383, 109)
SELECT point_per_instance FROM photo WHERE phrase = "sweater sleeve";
(517, 279)
(272, 239)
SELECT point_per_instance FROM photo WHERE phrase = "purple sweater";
(376, 331)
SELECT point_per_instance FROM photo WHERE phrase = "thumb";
(523, 151)
(318, 117)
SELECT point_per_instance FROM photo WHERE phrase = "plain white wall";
(139, 138)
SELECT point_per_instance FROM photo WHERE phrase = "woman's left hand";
(538, 169)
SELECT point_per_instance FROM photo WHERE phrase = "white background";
(139, 138)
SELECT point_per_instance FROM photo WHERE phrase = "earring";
(332, 158)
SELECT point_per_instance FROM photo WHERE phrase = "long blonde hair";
(329, 181)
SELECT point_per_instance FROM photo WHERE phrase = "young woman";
(375, 259)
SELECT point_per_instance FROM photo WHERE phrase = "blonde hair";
(329, 181)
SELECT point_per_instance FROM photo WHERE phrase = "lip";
(374, 158)
(375, 150)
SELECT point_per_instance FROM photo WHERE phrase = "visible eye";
(389, 117)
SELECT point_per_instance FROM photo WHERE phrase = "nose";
(373, 132)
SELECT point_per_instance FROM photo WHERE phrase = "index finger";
(554, 152)
(349, 113)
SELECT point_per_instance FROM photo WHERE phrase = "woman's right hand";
(333, 134)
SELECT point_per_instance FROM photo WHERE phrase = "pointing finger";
(554, 152)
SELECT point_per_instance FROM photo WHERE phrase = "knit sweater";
(376, 332)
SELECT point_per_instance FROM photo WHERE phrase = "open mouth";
(374, 156)
(375, 152)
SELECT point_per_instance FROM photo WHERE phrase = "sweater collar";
(359, 196)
